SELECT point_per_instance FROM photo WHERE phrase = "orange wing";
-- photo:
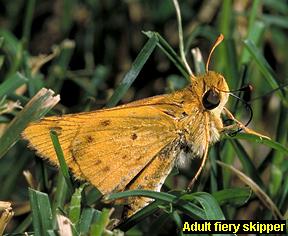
(109, 147)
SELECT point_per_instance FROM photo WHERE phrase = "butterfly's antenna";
(247, 105)
(217, 42)
(181, 44)
(270, 92)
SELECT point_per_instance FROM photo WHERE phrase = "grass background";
(95, 46)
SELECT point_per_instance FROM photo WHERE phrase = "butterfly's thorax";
(201, 126)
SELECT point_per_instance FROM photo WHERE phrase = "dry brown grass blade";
(263, 197)
(6, 214)
(64, 225)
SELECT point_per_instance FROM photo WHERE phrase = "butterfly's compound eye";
(211, 99)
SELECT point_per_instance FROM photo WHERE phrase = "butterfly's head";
(214, 92)
(211, 87)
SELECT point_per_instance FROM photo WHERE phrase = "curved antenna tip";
(216, 43)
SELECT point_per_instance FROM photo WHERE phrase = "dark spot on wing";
(105, 122)
(97, 162)
(139, 158)
(184, 114)
(170, 113)
(124, 157)
(89, 138)
(134, 136)
(106, 169)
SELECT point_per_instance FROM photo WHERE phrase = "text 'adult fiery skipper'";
(135, 146)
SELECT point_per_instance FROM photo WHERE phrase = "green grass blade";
(58, 70)
(263, 197)
(209, 204)
(189, 208)
(224, 28)
(98, 228)
(170, 53)
(248, 166)
(30, 6)
(8, 186)
(279, 21)
(279, 158)
(264, 67)
(232, 196)
(133, 72)
(41, 212)
(75, 205)
(86, 219)
(59, 152)
(60, 195)
(177, 219)
(260, 140)
(232, 72)
(67, 17)
(199, 64)
(280, 6)
(11, 84)
(38, 106)
(24, 225)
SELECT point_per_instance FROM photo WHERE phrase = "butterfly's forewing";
(110, 147)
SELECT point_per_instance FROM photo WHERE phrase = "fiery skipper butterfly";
(135, 146)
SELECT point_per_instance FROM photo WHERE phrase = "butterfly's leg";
(205, 155)
(238, 125)
(151, 177)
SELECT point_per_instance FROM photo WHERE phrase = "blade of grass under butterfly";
(177, 219)
(188, 207)
(232, 196)
(264, 67)
(141, 215)
(156, 228)
(60, 196)
(75, 205)
(209, 204)
(98, 228)
(260, 140)
(86, 219)
(171, 54)
(41, 212)
(12, 83)
(263, 197)
(133, 72)
(38, 106)
(247, 164)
